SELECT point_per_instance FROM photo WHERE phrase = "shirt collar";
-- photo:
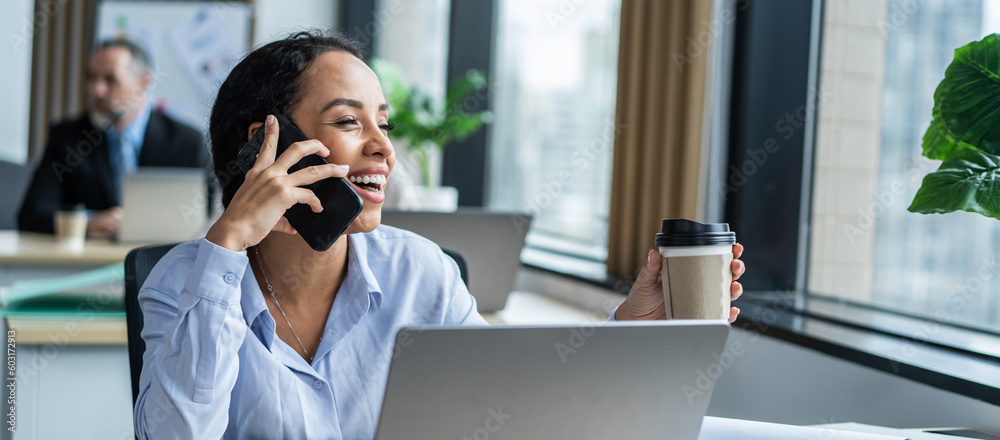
(359, 252)
(254, 306)
(137, 129)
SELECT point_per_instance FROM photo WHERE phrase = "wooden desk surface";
(43, 249)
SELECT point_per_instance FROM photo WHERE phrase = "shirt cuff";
(613, 312)
(217, 273)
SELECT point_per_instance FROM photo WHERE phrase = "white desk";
(718, 428)
(27, 255)
(63, 385)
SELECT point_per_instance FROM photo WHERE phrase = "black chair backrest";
(14, 179)
(139, 262)
(463, 267)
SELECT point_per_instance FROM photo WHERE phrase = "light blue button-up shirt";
(213, 366)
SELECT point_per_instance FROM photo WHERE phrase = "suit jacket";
(76, 167)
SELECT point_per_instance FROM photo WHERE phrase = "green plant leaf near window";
(965, 135)
(968, 180)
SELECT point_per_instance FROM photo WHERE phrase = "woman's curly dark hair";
(265, 82)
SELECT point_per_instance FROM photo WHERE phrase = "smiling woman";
(249, 332)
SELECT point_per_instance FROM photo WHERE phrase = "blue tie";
(129, 161)
(117, 163)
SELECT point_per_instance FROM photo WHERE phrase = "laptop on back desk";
(490, 242)
(164, 205)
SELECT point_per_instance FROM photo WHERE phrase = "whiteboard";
(193, 46)
(18, 23)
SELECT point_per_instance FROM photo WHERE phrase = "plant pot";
(437, 198)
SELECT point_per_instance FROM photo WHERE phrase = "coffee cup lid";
(682, 232)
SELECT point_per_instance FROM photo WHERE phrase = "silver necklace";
(275, 298)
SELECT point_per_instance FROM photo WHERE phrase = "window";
(18, 18)
(423, 59)
(881, 62)
(554, 98)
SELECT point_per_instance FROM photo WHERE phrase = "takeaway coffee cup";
(696, 272)
(71, 229)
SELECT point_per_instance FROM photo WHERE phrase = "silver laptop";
(649, 380)
(490, 242)
(164, 205)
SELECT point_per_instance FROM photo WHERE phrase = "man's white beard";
(106, 120)
(100, 120)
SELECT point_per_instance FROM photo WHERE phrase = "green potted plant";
(425, 125)
(965, 135)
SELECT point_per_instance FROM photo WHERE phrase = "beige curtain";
(63, 32)
(658, 170)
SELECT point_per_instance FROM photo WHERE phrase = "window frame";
(776, 68)
(470, 46)
(775, 65)
(357, 21)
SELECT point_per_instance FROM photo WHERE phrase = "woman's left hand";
(645, 301)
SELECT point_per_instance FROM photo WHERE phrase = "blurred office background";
(552, 71)
(570, 84)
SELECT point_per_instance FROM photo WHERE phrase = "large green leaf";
(939, 141)
(968, 99)
(968, 180)
(472, 81)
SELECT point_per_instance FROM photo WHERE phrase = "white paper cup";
(71, 229)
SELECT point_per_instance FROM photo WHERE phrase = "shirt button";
(317, 384)
(229, 278)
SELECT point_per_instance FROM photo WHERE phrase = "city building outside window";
(880, 64)
(553, 132)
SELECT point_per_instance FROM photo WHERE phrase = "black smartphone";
(341, 205)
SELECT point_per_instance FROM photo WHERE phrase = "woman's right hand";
(259, 205)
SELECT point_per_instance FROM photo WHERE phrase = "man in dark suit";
(87, 158)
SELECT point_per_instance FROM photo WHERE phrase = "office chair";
(139, 262)
(14, 180)
(463, 267)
